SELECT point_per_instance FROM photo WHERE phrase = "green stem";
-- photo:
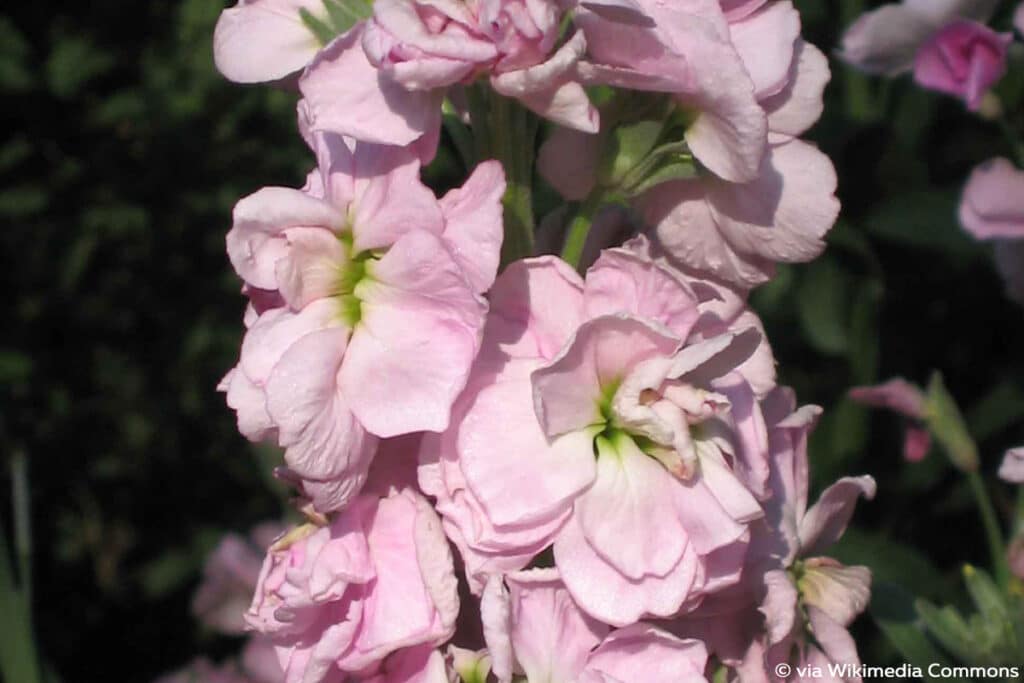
(479, 120)
(993, 534)
(22, 523)
(579, 228)
(856, 86)
(513, 133)
(461, 136)
(19, 659)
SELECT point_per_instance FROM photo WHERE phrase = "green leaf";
(987, 597)
(75, 61)
(892, 609)
(925, 220)
(823, 302)
(949, 628)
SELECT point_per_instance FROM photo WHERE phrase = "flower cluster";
(606, 447)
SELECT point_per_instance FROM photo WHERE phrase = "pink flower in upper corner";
(887, 40)
(760, 195)
(265, 40)
(991, 209)
(229, 576)
(964, 59)
(900, 396)
(794, 605)
(533, 627)
(384, 81)
(1012, 467)
(630, 437)
(372, 593)
(381, 315)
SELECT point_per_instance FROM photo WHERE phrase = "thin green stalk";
(19, 659)
(461, 136)
(513, 133)
(1018, 523)
(993, 534)
(856, 86)
(479, 120)
(579, 228)
(22, 523)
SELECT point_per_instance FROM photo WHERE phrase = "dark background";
(122, 153)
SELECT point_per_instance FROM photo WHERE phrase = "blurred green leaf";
(74, 61)
(892, 608)
(823, 301)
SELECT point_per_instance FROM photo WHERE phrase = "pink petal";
(416, 304)
(896, 394)
(799, 105)
(1012, 467)
(765, 42)
(917, 441)
(276, 330)
(642, 653)
(527, 480)
(839, 591)
(826, 520)
(536, 306)
(473, 224)
(254, 245)
(885, 40)
(311, 266)
(963, 59)
(991, 206)
(627, 516)
(566, 104)
(264, 40)
(624, 282)
(833, 638)
(780, 605)
(607, 595)
(550, 636)
(567, 392)
(345, 94)
(568, 160)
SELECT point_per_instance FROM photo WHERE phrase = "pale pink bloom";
(992, 206)
(376, 276)
(761, 196)
(906, 399)
(886, 40)
(737, 232)
(384, 81)
(343, 598)
(229, 577)
(533, 628)
(259, 660)
(1012, 467)
(265, 40)
(964, 59)
(571, 369)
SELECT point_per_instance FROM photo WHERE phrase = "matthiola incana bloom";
(794, 604)
(964, 59)
(746, 86)
(533, 628)
(908, 400)
(360, 593)
(380, 311)
(385, 79)
(610, 418)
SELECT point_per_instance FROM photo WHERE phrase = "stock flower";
(616, 367)
(906, 399)
(375, 275)
(533, 628)
(794, 605)
(384, 81)
(964, 59)
(750, 86)
(345, 597)
(264, 40)
(887, 40)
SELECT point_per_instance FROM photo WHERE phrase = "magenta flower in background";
(963, 59)
(992, 208)
(886, 40)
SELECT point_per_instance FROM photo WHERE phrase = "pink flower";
(886, 40)
(383, 82)
(963, 59)
(533, 627)
(375, 276)
(1012, 467)
(343, 598)
(265, 40)
(229, 576)
(992, 205)
(760, 195)
(619, 367)
(900, 396)
(793, 605)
